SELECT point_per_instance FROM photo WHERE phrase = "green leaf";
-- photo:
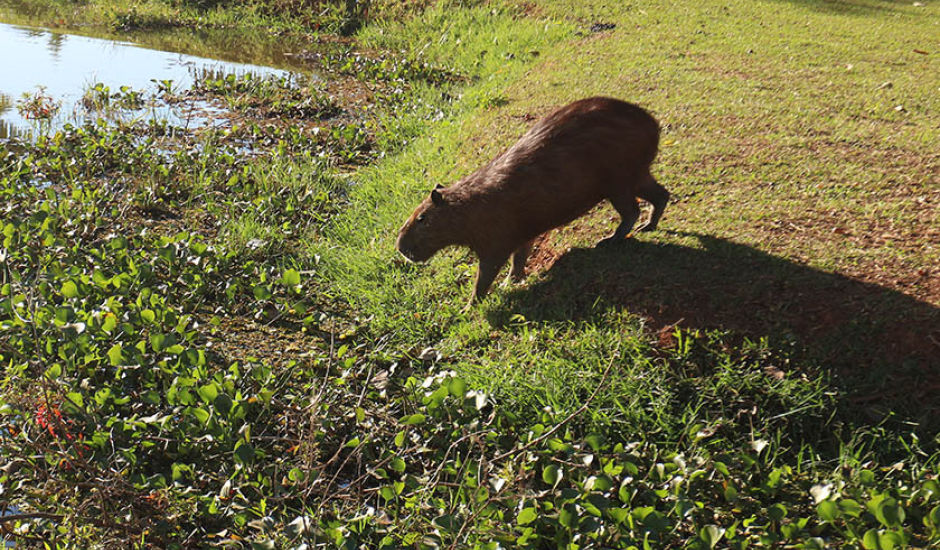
(711, 534)
(457, 387)
(870, 540)
(527, 516)
(596, 441)
(828, 510)
(209, 392)
(889, 513)
(158, 342)
(934, 517)
(567, 517)
(69, 289)
(413, 419)
(290, 278)
(890, 540)
(202, 415)
(75, 398)
(261, 292)
(244, 453)
(397, 464)
(777, 512)
(551, 474)
(116, 354)
(223, 403)
(850, 507)
(109, 323)
(54, 371)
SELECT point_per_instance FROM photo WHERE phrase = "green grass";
(760, 371)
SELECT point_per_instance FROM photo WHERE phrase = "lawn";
(228, 350)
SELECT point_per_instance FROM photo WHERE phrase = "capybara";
(593, 149)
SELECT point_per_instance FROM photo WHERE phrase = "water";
(66, 65)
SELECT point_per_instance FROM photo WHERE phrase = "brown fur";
(590, 150)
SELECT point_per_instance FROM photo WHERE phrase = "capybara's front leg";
(486, 273)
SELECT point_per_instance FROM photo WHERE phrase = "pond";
(60, 75)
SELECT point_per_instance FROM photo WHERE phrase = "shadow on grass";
(851, 7)
(883, 345)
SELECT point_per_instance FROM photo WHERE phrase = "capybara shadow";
(839, 323)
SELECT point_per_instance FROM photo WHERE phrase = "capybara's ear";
(436, 197)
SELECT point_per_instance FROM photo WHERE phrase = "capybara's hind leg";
(625, 205)
(518, 261)
(657, 195)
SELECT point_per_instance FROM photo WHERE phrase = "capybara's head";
(429, 229)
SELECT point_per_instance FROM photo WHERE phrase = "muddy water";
(62, 67)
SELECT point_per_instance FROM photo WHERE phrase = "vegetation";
(208, 339)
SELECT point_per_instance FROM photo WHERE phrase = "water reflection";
(65, 66)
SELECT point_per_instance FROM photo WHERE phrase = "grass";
(759, 372)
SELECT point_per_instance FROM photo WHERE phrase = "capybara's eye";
(420, 218)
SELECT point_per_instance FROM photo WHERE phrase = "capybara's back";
(590, 150)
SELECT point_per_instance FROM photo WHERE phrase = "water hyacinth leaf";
(551, 474)
(568, 517)
(158, 342)
(890, 540)
(889, 513)
(75, 399)
(116, 354)
(527, 516)
(711, 534)
(291, 278)
(828, 510)
(871, 540)
(457, 387)
(777, 512)
(208, 392)
(223, 404)
(109, 323)
(850, 507)
(933, 518)
(69, 289)
(413, 419)
(261, 292)
(244, 452)
(200, 414)
(54, 371)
